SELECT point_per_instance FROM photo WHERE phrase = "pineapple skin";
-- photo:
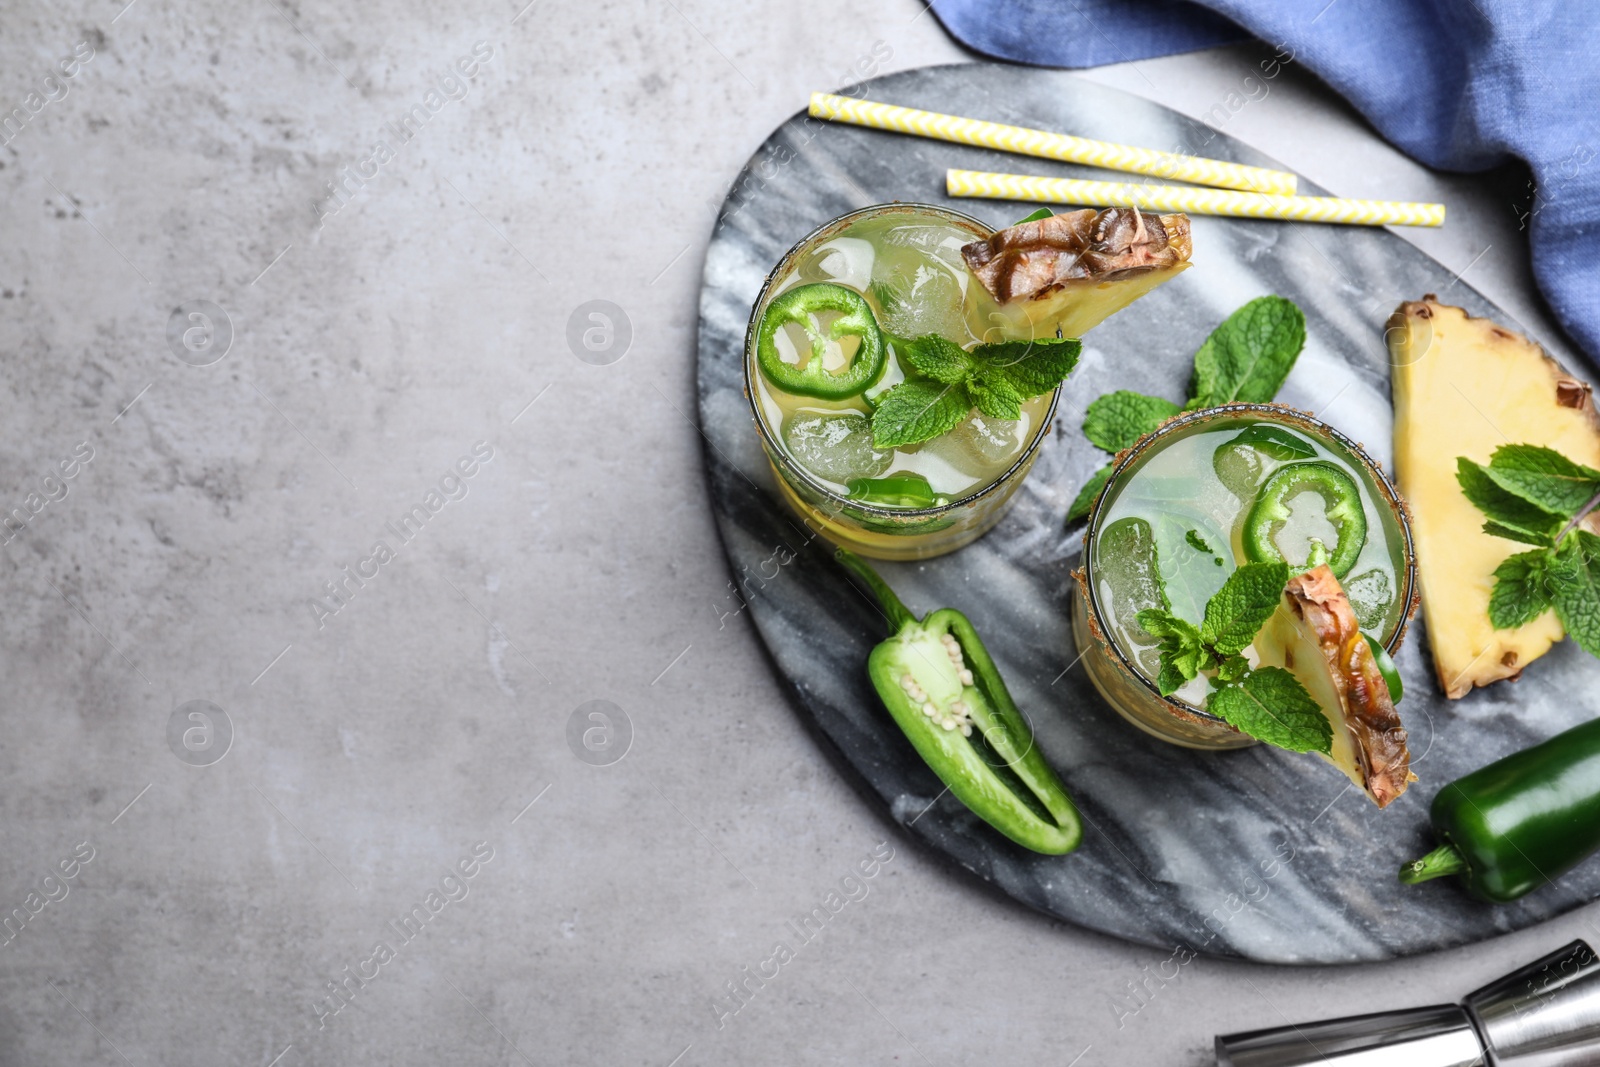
(1076, 309)
(1462, 387)
(1314, 635)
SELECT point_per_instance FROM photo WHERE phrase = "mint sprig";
(951, 381)
(1268, 703)
(1245, 359)
(1536, 496)
(1521, 590)
(1183, 654)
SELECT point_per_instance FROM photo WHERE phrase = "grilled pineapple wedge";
(1072, 271)
(1315, 636)
(1462, 387)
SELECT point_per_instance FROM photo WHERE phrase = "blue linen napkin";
(1460, 85)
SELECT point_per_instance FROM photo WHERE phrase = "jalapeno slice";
(904, 490)
(808, 377)
(1386, 667)
(1341, 502)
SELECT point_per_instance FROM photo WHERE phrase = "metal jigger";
(1546, 1014)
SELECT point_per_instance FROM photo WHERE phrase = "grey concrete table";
(270, 794)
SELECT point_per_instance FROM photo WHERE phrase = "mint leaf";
(1274, 441)
(1034, 216)
(1090, 492)
(936, 357)
(1182, 655)
(1574, 583)
(1512, 533)
(1246, 601)
(918, 410)
(1247, 357)
(1187, 576)
(994, 396)
(1521, 592)
(1510, 515)
(1175, 672)
(1032, 368)
(1589, 545)
(1543, 477)
(1117, 420)
(1271, 705)
(1197, 542)
(1159, 623)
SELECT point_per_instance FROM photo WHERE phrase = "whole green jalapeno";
(1520, 822)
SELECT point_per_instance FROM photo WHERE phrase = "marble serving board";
(1257, 853)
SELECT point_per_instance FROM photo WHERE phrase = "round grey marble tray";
(1257, 853)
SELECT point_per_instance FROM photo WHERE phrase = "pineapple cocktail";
(1203, 496)
(899, 384)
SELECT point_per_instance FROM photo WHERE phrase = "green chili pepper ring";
(944, 692)
(808, 378)
(1520, 822)
(1341, 500)
(902, 490)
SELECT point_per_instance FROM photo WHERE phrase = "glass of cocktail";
(1206, 492)
(904, 261)
(829, 344)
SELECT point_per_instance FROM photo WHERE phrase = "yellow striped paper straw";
(1023, 141)
(1194, 201)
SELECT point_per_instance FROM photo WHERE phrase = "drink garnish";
(1062, 275)
(1315, 636)
(1033, 260)
(902, 490)
(1342, 507)
(994, 378)
(810, 376)
(1268, 703)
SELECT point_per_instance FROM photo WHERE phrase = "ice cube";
(1370, 597)
(1241, 468)
(978, 448)
(1130, 580)
(991, 442)
(835, 446)
(918, 286)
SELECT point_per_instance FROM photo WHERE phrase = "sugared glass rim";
(775, 447)
(1272, 413)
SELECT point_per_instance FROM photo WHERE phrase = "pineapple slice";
(1315, 636)
(1463, 387)
(1072, 271)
